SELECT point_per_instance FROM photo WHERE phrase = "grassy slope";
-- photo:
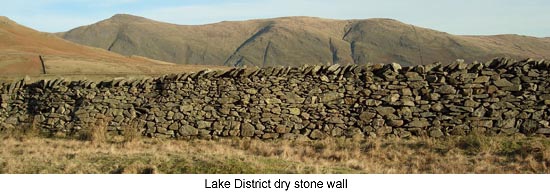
(298, 40)
(20, 47)
(471, 154)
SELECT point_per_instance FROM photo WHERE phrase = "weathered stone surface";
(282, 129)
(316, 134)
(293, 98)
(188, 130)
(251, 91)
(447, 89)
(506, 123)
(413, 76)
(418, 123)
(174, 126)
(545, 131)
(503, 83)
(367, 116)
(383, 130)
(395, 122)
(294, 111)
(436, 133)
(335, 120)
(385, 111)
(204, 124)
(331, 97)
(482, 79)
(437, 107)
(186, 108)
(270, 135)
(247, 130)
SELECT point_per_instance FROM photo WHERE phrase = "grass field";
(469, 154)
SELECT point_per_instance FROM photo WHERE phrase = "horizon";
(471, 17)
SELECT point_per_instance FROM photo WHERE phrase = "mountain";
(298, 40)
(24, 51)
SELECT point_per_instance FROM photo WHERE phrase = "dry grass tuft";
(96, 132)
(131, 133)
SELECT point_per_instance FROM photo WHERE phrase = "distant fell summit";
(292, 41)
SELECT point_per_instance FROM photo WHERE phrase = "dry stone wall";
(501, 96)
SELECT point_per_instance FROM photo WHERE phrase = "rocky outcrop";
(501, 96)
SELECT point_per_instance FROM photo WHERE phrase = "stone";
(270, 135)
(435, 96)
(282, 129)
(405, 112)
(395, 67)
(204, 124)
(413, 76)
(293, 98)
(227, 100)
(529, 126)
(217, 126)
(186, 108)
(436, 133)
(316, 134)
(483, 123)
(335, 120)
(378, 122)
(506, 123)
(383, 130)
(384, 110)
(188, 130)
(503, 83)
(331, 97)
(251, 91)
(446, 89)
(479, 112)
(482, 79)
(545, 131)
(391, 98)
(471, 103)
(373, 102)
(395, 123)
(367, 116)
(544, 97)
(407, 102)
(273, 101)
(437, 107)
(404, 134)
(406, 92)
(294, 111)
(276, 110)
(247, 129)
(174, 127)
(490, 90)
(418, 124)
(162, 130)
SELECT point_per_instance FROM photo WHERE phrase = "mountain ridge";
(298, 40)
(25, 51)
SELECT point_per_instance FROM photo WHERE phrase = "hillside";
(298, 40)
(21, 48)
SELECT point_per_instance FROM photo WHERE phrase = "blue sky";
(481, 17)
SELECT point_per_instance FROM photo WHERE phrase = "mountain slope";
(22, 48)
(297, 40)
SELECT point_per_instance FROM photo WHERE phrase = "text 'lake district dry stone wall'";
(501, 96)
